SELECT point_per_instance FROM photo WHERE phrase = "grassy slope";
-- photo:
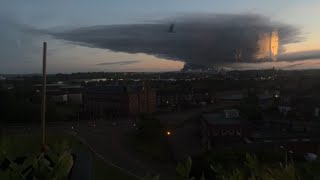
(27, 144)
(106, 172)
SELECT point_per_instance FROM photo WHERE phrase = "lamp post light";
(168, 133)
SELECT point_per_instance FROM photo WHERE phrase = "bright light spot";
(274, 44)
(168, 133)
(268, 45)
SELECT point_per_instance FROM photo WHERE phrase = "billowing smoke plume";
(200, 41)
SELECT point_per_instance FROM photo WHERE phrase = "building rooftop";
(265, 96)
(232, 97)
(113, 89)
(219, 119)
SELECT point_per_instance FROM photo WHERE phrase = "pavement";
(83, 166)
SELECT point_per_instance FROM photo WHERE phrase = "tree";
(53, 165)
(183, 169)
(149, 129)
(250, 107)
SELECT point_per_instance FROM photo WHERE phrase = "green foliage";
(63, 166)
(259, 171)
(250, 108)
(287, 172)
(235, 175)
(53, 165)
(183, 169)
(224, 160)
(312, 170)
(149, 140)
(22, 104)
(253, 164)
(149, 129)
(253, 169)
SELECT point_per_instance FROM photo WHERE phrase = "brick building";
(222, 128)
(116, 100)
(182, 96)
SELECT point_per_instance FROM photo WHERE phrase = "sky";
(20, 44)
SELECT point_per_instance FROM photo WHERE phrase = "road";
(111, 143)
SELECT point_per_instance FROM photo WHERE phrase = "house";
(182, 97)
(284, 109)
(61, 93)
(222, 128)
(237, 96)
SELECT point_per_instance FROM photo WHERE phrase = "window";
(224, 132)
(231, 132)
(216, 132)
(239, 132)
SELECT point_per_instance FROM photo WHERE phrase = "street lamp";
(168, 133)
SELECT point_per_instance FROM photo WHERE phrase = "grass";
(153, 149)
(104, 171)
(31, 144)
(150, 141)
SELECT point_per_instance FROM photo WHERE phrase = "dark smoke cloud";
(118, 63)
(199, 40)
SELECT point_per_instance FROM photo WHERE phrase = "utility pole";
(44, 85)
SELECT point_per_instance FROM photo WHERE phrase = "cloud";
(304, 55)
(16, 44)
(118, 63)
(199, 40)
(294, 65)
